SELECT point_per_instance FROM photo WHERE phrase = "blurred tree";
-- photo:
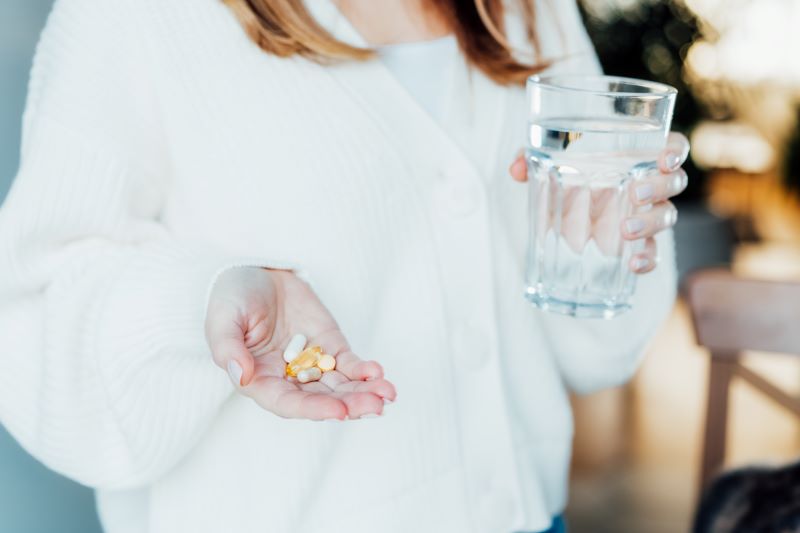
(649, 40)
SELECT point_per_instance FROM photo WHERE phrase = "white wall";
(32, 499)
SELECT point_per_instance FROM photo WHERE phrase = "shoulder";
(90, 29)
(92, 76)
(109, 37)
(123, 20)
(108, 14)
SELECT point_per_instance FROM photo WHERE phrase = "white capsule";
(309, 374)
(294, 348)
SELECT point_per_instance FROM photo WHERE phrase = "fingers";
(646, 224)
(226, 340)
(358, 404)
(576, 223)
(357, 370)
(279, 396)
(316, 401)
(361, 404)
(360, 397)
(606, 213)
(379, 387)
(659, 187)
(675, 154)
(646, 260)
(519, 170)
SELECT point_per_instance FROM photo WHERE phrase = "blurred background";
(637, 448)
(32, 499)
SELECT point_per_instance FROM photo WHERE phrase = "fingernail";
(678, 183)
(387, 402)
(640, 263)
(645, 192)
(670, 217)
(673, 161)
(634, 225)
(235, 372)
(370, 415)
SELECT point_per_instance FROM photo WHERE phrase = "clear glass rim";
(556, 81)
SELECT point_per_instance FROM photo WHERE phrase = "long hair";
(285, 28)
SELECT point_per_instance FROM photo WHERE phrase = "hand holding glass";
(589, 139)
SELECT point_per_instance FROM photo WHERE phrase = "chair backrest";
(732, 314)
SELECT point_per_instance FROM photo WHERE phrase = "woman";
(201, 175)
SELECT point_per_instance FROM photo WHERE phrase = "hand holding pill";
(282, 348)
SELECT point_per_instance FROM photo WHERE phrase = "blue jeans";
(558, 526)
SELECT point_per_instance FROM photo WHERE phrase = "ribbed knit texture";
(105, 374)
(162, 147)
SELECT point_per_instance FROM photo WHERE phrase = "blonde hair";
(285, 28)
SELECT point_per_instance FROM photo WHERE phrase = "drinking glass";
(589, 139)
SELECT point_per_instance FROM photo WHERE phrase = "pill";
(305, 359)
(326, 362)
(294, 347)
(309, 374)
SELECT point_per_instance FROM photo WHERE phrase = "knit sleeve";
(594, 354)
(105, 375)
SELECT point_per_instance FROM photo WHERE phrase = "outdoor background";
(637, 447)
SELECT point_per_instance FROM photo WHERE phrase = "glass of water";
(589, 139)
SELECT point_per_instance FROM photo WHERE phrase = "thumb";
(230, 352)
(519, 169)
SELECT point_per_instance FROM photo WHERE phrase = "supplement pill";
(294, 347)
(309, 374)
(306, 359)
(326, 362)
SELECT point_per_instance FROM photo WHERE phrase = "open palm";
(253, 313)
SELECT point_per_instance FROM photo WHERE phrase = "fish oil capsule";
(306, 359)
(326, 362)
(294, 347)
(309, 374)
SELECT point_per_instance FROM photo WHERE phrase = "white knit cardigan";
(162, 146)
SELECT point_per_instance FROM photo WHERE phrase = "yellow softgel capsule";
(307, 359)
(326, 362)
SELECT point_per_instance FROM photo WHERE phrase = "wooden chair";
(731, 315)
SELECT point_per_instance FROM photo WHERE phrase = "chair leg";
(722, 370)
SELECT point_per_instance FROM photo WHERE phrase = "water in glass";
(580, 171)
